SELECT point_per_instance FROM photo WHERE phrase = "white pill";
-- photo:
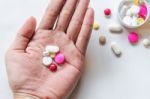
(135, 9)
(46, 53)
(129, 12)
(52, 49)
(115, 28)
(134, 21)
(127, 20)
(47, 61)
(146, 42)
(116, 49)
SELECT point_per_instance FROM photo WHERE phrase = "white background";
(105, 75)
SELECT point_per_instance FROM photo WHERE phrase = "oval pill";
(116, 49)
(102, 40)
(115, 28)
(52, 49)
(47, 61)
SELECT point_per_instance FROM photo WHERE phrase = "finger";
(77, 20)
(24, 35)
(85, 33)
(66, 15)
(51, 14)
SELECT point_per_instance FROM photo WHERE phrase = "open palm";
(70, 32)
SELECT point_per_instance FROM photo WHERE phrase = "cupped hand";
(67, 24)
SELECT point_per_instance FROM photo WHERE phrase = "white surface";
(105, 76)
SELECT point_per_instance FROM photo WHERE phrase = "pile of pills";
(52, 57)
(134, 12)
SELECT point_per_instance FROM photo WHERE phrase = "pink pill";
(143, 11)
(59, 58)
(107, 12)
(133, 37)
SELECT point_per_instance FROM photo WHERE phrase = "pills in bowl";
(52, 57)
(133, 13)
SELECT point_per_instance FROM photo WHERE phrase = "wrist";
(24, 96)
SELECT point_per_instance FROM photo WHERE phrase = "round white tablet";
(47, 61)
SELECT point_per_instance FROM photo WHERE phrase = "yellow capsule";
(140, 20)
(96, 26)
(136, 2)
(52, 55)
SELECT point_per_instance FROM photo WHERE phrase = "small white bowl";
(125, 2)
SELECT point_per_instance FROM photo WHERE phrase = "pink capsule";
(59, 58)
(133, 37)
(143, 11)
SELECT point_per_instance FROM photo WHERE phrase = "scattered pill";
(115, 28)
(133, 37)
(52, 49)
(107, 12)
(146, 42)
(53, 67)
(116, 49)
(47, 61)
(96, 26)
(59, 58)
(102, 40)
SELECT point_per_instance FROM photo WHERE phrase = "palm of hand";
(31, 73)
(25, 70)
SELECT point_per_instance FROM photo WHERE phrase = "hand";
(27, 75)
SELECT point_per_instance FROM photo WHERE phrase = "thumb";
(24, 35)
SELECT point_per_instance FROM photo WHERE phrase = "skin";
(28, 77)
